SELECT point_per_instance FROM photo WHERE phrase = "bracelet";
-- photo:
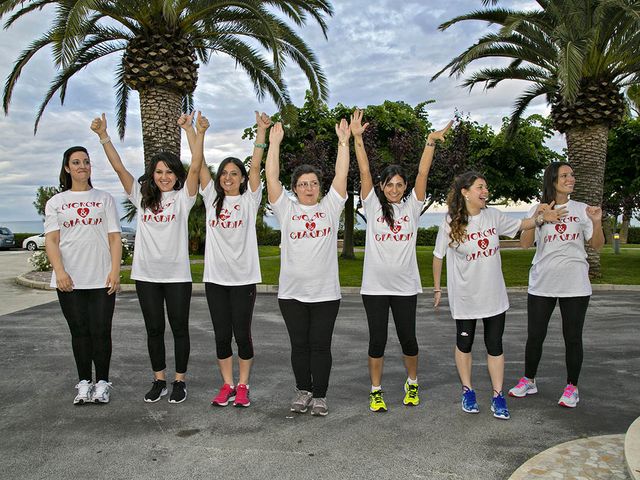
(539, 221)
(259, 145)
(342, 144)
(105, 140)
(436, 291)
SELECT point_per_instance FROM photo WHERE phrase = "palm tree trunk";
(159, 110)
(587, 149)
(347, 242)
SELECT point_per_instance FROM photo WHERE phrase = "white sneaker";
(84, 392)
(101, 392)
(524, 387)
(570, 397)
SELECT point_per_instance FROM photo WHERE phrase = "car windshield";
(5, 231)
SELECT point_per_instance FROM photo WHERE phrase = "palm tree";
(579, 55)
(160, 43)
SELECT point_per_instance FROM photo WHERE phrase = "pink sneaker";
(569, 397)
(227, 393)
(523, 388)
(242, 396)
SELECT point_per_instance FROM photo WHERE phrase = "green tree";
(160, 43)
(43, 194)
(579, 55)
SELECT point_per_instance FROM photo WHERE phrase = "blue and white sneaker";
(469, 403)
(499, 407)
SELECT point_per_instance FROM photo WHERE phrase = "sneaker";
(84, 392)
(570, 397)
(499, 407)
(469, 403)
(158, 390)
(411, 394)
(523, 388)
(376, 401)
(242, 396)
(178, 392)
(302, 401)
(101, 392)
(226, 393)
(319, 407)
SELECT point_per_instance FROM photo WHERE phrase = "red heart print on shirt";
(483, 243)
(83, 212)
(223, 216)
(310, 225)
(396, 228)
(561, 227)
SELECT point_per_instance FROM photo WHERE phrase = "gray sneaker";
(319, 407)
(302, 401)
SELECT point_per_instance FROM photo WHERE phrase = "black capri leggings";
(89, 314)
(493, 330)
(231, 309)
(404, 316)
(310, 327)
(573, 311)
(152, 297)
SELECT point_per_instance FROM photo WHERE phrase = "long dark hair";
(457, 207)
(385, 176)
(65, 177)
(151, 194)
(216, 184)
(302, 170)
(549, 181)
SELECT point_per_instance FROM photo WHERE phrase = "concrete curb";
(199, 287)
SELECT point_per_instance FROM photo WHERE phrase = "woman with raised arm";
(163, 196)
(560, 255)
(470, 238)
(390, 278)
(309, 289)
(231, 263)
(83, 244)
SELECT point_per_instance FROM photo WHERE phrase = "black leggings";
(231, 309)
(152, 297)
(573, 311)
(310, 327)
(89, 314)
(493, 330)
(404, 316)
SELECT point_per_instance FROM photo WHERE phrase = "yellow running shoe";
(411, 394)
(376, 401)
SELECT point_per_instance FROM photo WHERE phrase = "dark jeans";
(89, 314)
(573, 311)
(493, 330)
(404, 316)
(231, 309)
(177, 296)
(310, 327)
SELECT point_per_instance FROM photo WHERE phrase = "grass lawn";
(623, 269)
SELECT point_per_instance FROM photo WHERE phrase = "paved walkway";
(45, 436)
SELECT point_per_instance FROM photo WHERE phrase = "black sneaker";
(179, 392)
(158, 390)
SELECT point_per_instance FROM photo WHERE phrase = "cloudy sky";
(377, 50)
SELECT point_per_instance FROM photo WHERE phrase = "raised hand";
(342, 130)
(594, 213)
(554, 215)
(99, 125)
(263, 120)
(355, 125)
(276, 134)
(439, 134)
(202, 122)
(186, 120)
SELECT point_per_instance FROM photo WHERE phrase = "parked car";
(7, 240)
(128, 236)
(33, 243)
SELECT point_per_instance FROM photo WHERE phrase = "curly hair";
(151, 194)
(385, 177)
(458, 214)
(219, 190)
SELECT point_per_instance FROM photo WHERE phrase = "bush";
(19, 237)
(268, 237)
(40, 261)
(634, 235)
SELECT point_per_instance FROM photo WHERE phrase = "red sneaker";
(242, 396)
(226, 393)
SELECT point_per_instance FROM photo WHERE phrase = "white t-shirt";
(559, 267)
(84, 220)
(475, 285)
(390, 263)
(161, 252)
(231, 250)
(309, 248)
